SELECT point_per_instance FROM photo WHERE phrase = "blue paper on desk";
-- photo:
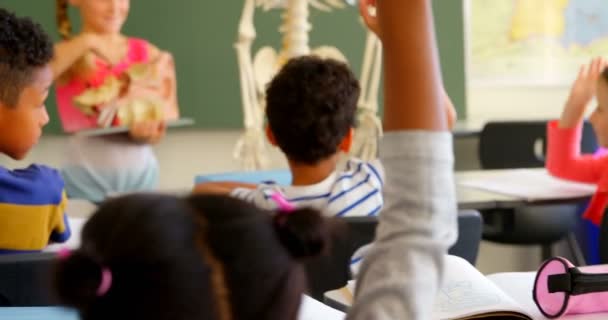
(281, 177)
(38, 313)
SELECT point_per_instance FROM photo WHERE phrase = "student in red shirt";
(564, 158)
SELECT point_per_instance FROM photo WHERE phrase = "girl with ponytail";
(104, 78)
(203, 257)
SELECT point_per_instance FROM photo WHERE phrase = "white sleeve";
(401, 272)
(256, 196)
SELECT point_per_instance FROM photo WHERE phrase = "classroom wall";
(515, 102)
(201, 36)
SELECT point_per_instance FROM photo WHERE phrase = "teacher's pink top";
(72, 118)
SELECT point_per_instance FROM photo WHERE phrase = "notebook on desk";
(468, 294)
(528, 184)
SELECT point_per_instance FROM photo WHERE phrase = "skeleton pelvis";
(267, 63)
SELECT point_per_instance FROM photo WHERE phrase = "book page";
(311, 309)
(529, 184)
(466, 294)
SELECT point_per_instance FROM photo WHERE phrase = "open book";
(468, 294)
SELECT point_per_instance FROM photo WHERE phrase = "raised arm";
(68, 52)
(411, 70)
(400, 275)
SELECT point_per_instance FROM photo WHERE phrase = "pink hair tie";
(64, 253)
(106, 274)
(284, 205)
(106, 282)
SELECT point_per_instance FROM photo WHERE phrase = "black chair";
(517, 144)
(521, 144)
(333, 271)
(25, 279)
(603, 239)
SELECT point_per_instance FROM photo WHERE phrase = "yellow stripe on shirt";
(29, 227)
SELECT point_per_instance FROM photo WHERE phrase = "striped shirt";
(32, 209)
(354, 191)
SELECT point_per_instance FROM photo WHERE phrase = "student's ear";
(270, 136)
(74, 3)
(347, 142)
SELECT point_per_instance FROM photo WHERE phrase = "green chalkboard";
(201, 34)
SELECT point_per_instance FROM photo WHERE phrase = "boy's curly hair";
(24, 47)
(311, 106)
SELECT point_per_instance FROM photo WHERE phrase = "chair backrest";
(521, 144)
(25, 279)
(333, 271)
(603, 239)
(470, 226)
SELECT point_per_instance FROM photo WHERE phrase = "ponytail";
(63, 20)
(80, 280)
(305, 233)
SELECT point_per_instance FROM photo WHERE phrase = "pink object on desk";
(561, 289)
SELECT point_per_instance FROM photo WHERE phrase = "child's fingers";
(161, 128)
(596, 65)
(582, 72)
(142, 130)
(157, 131)
(600, 65)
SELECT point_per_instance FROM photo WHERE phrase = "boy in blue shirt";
(32, 200)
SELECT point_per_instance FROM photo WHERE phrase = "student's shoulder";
(34, 185)
(263, 190)
(355, 167)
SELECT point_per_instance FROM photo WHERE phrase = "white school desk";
(468, 128)
(469, 197)
(517, 285)
(511, 188)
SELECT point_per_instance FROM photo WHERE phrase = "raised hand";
(582, 91)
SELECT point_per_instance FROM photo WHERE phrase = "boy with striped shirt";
(311, 107)
(32, 200)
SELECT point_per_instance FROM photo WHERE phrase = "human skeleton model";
(256, 73)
